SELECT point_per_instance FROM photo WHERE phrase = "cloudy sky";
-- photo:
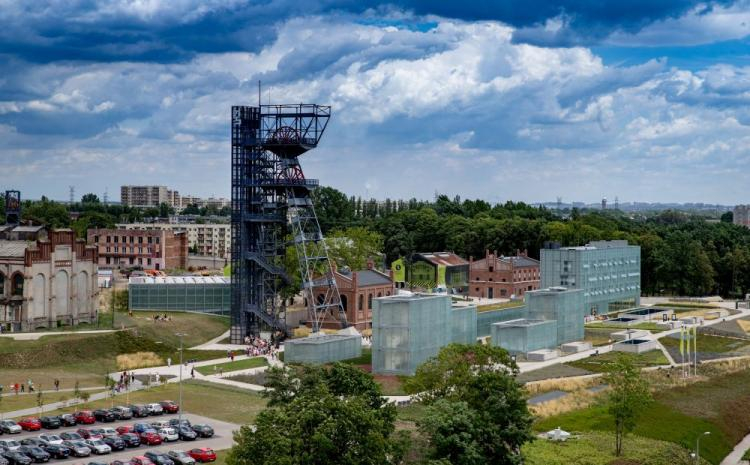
(647, 100)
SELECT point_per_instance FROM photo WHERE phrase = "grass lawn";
(708, 343)
(558, 370)
(498, 306)
(364, 359)
(197, 327)
(23, 401)
(254, 362)
(224, 403)
(646, 325)
(598, 336)
(597, 449)
(599, 363)
(411, 413)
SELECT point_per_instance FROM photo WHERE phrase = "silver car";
(97, 446)
(10, 444)
(77, 448)
(51, 439)
(10, 427)
(180, 457)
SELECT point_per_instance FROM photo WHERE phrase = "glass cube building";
(486, 319)
(523, 336)
(323, 348)
(204, 294)
(565, 306)
(608, 272)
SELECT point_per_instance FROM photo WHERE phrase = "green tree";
(628, 396)
(46, 212)
(165, 210)
(90, 198)
(352, 247)
(332, 208)
(85, 396)
(39, 398)
(452, 429)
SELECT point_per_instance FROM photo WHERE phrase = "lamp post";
(179, 402)
(698, 447)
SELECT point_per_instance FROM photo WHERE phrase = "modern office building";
(47, 283)
(151, 249)
(205, 294)
(143, 196)
(742, 215)
(210, 240)
(496, 276)
(608, 272)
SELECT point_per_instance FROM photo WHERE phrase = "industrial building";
(47, 283)
(152, 249)
(496, 276)
(608, 272)
(208, 240)
(409, 329)
(204, 294)
(444, 271)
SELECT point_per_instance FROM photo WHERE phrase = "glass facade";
(168, 295)
(464, 321)
(565, 306)
(608, 272)
(323, 348)
(485, 320)
(523, 336)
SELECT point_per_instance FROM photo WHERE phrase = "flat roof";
(321, 339)
(13, 248)
(443, 258)
(179, 280)
(522, 323)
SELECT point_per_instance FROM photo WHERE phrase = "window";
(380, 294)
(492, 268)
(131, 239)
(369, 301)
(148, 261)
(360, 302)
(16, 284)
(140, 239)
(96, 239)
(157, 240)
(124, 239)
(109, 238)
(2, 284)
(116, 239)
(150, 239)
(107, 260)
(490, 279)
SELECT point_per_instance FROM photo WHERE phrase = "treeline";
(681, 253)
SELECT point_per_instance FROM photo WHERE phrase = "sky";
(644, 100)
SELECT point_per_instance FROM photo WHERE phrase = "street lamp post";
(179, 409)
(698, 447)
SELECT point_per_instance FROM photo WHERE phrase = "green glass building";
(205, 294)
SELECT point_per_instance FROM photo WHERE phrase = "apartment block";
(211, 240)
(742, 215)
(143, 196)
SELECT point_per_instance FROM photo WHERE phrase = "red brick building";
(496, 277)
(357, 290)
(150, 249)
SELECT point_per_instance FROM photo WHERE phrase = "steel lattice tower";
(272, 207)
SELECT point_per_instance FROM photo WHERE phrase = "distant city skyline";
(482, 100)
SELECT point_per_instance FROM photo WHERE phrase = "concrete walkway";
(9, 393)
(735, 457)
(35, 336)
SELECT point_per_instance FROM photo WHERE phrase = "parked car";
(16, 458)
(10, 427)
(77, 448)
(141, 427)
(150, 438)
(140, 460)
(124, 429)
(203, 454)
(84, 417)
(108, 432)
(51, 438)
(51, 422)
(139, 411)
(186, 434)
(67, 419)
(3, 460)
(158, 458)
(122, 413)
(175, 422)
(104, 415)
(10, 444)
(159, 424)
(115, 444)
(204, 431)
(88, 433)
(97, 463)
(71, 436)
(168, 434)
(180, 457)
(169, 406)
(98, 447)
(30, 424)
(32, 442)
(35, 453)
(57, 451)
(131, 439)
(119, 462)
(154, 409)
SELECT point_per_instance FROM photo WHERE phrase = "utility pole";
(179, 401)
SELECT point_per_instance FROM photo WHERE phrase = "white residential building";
(211, 240)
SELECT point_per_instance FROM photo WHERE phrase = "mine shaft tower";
(272, 208)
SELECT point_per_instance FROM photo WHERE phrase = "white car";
(109, 433)
(154, 409)
(97, 446)
(168, 434)
(10, 444)
(10, 427)
(159, 424)
(51, 439)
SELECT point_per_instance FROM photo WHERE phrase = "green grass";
(237, 365)
(499, 306)
(708, 343)
(746, 455)
(221, 402)
(364, 359)
(24, 401)
(196, 327)
(646, 325)
(411, 413)
(600, 363)
(597, 449)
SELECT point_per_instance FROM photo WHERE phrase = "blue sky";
(643, 100)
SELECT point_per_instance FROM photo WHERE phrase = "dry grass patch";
(562, 384)
(138, 360)
(573, 401)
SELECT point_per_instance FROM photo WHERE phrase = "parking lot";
(222, 438)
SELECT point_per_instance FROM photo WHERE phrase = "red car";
(141, 460)
(30, 424)
(169, 407)
(88, 434)
(203, 454)
(151, 438)
(84, 417)
(124, 429)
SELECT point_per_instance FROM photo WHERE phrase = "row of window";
(131, 260)
(116, 239)
(16, 284)
(132, 250)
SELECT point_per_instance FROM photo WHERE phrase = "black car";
(139, 411)
(159, 458)
(119, 462)
(115, 443)
(50, 422)
(57, 451)
(71, 436)
(122, 413)
(32, 442)
(67, 419)
(97, 463)
(175, 422)
(104, 415)
(186, 434)
(131, 439)
(35, 453)
(16, 458)
(204, 431)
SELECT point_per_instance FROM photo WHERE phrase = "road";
(222, 438)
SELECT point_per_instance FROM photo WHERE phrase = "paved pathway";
(35, 336)
(9, 393)
(735, 457)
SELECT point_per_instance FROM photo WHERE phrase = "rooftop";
(13, 248)
(322, 338)
(368, 277)
(443, 258)
(179, 280)
(522, 323)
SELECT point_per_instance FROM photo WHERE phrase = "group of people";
(257, 346)
(126, 379)
(163, 317)
(22, 387)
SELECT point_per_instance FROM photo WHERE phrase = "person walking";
(57, 384)
(169, 362)
(23, 388)
(31, 385)
(192, 372)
